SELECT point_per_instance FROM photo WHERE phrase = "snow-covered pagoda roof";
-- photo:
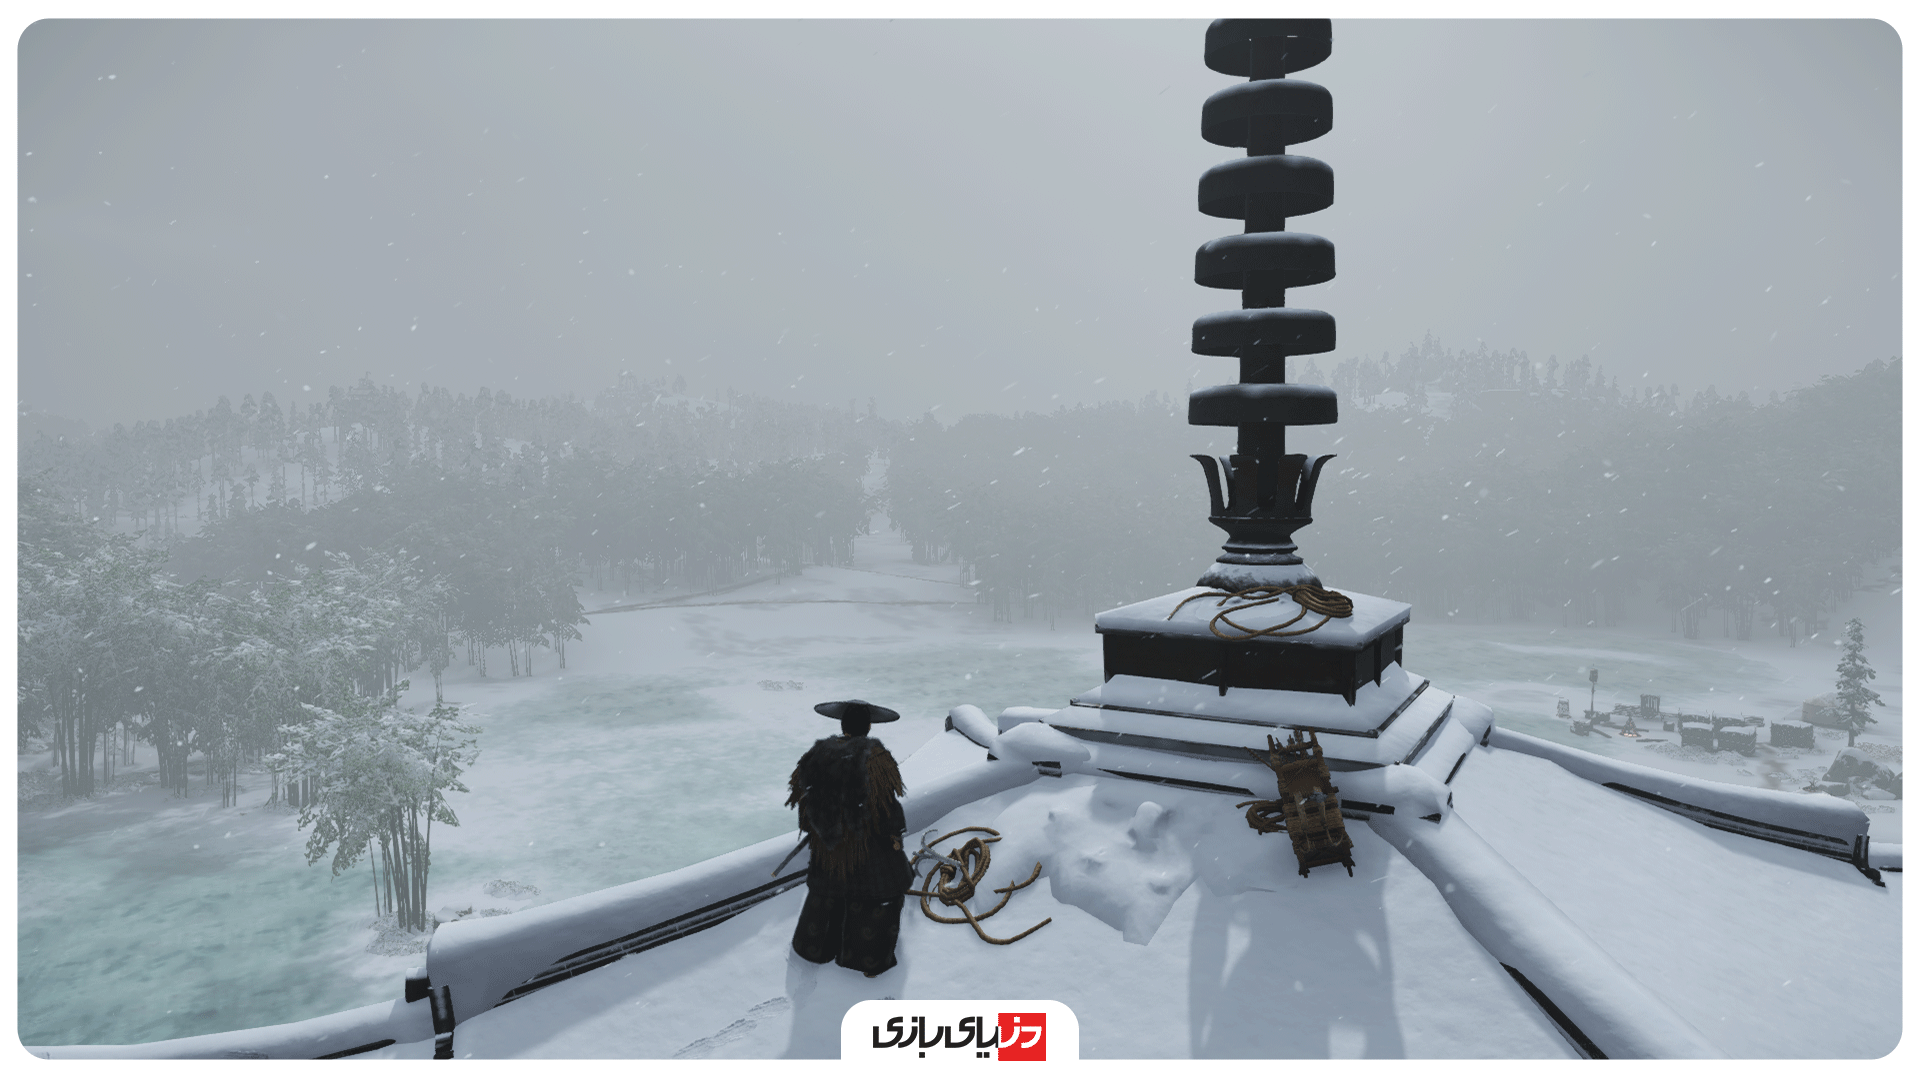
(1177, 932)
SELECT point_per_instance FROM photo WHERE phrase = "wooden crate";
(1741, 739)
(1308, 807)
(1791, 733)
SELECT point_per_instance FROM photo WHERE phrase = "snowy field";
(668, 740)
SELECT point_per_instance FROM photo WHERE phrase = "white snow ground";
(1178, 932)
(702, 677)
(1279, 966)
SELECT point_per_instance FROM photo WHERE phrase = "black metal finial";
(1262, 494)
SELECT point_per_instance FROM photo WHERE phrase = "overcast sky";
(979, 216)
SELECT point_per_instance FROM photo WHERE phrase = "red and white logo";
(1023, 1036)
(909, 1032)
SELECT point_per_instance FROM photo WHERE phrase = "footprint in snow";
(735, 1031)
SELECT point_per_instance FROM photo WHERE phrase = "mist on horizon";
(961, 217)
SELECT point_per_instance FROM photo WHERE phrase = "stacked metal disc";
(1262, 493)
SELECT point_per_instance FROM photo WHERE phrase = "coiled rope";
(1265, 815)
(959, 872)
(1323, 602)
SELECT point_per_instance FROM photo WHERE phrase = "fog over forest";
(488, 378)
(371, 370)
(381, 531)
(959, 216)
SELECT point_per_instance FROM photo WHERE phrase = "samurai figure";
(847, 789)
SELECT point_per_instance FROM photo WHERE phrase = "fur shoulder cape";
(843, 786)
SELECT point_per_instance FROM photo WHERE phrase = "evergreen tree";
(1852, 696)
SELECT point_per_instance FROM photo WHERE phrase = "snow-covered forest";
(652, 451)
(246, 620)
(1474, 484)
(193, 583)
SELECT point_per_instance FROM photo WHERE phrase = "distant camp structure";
(1709, 731)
